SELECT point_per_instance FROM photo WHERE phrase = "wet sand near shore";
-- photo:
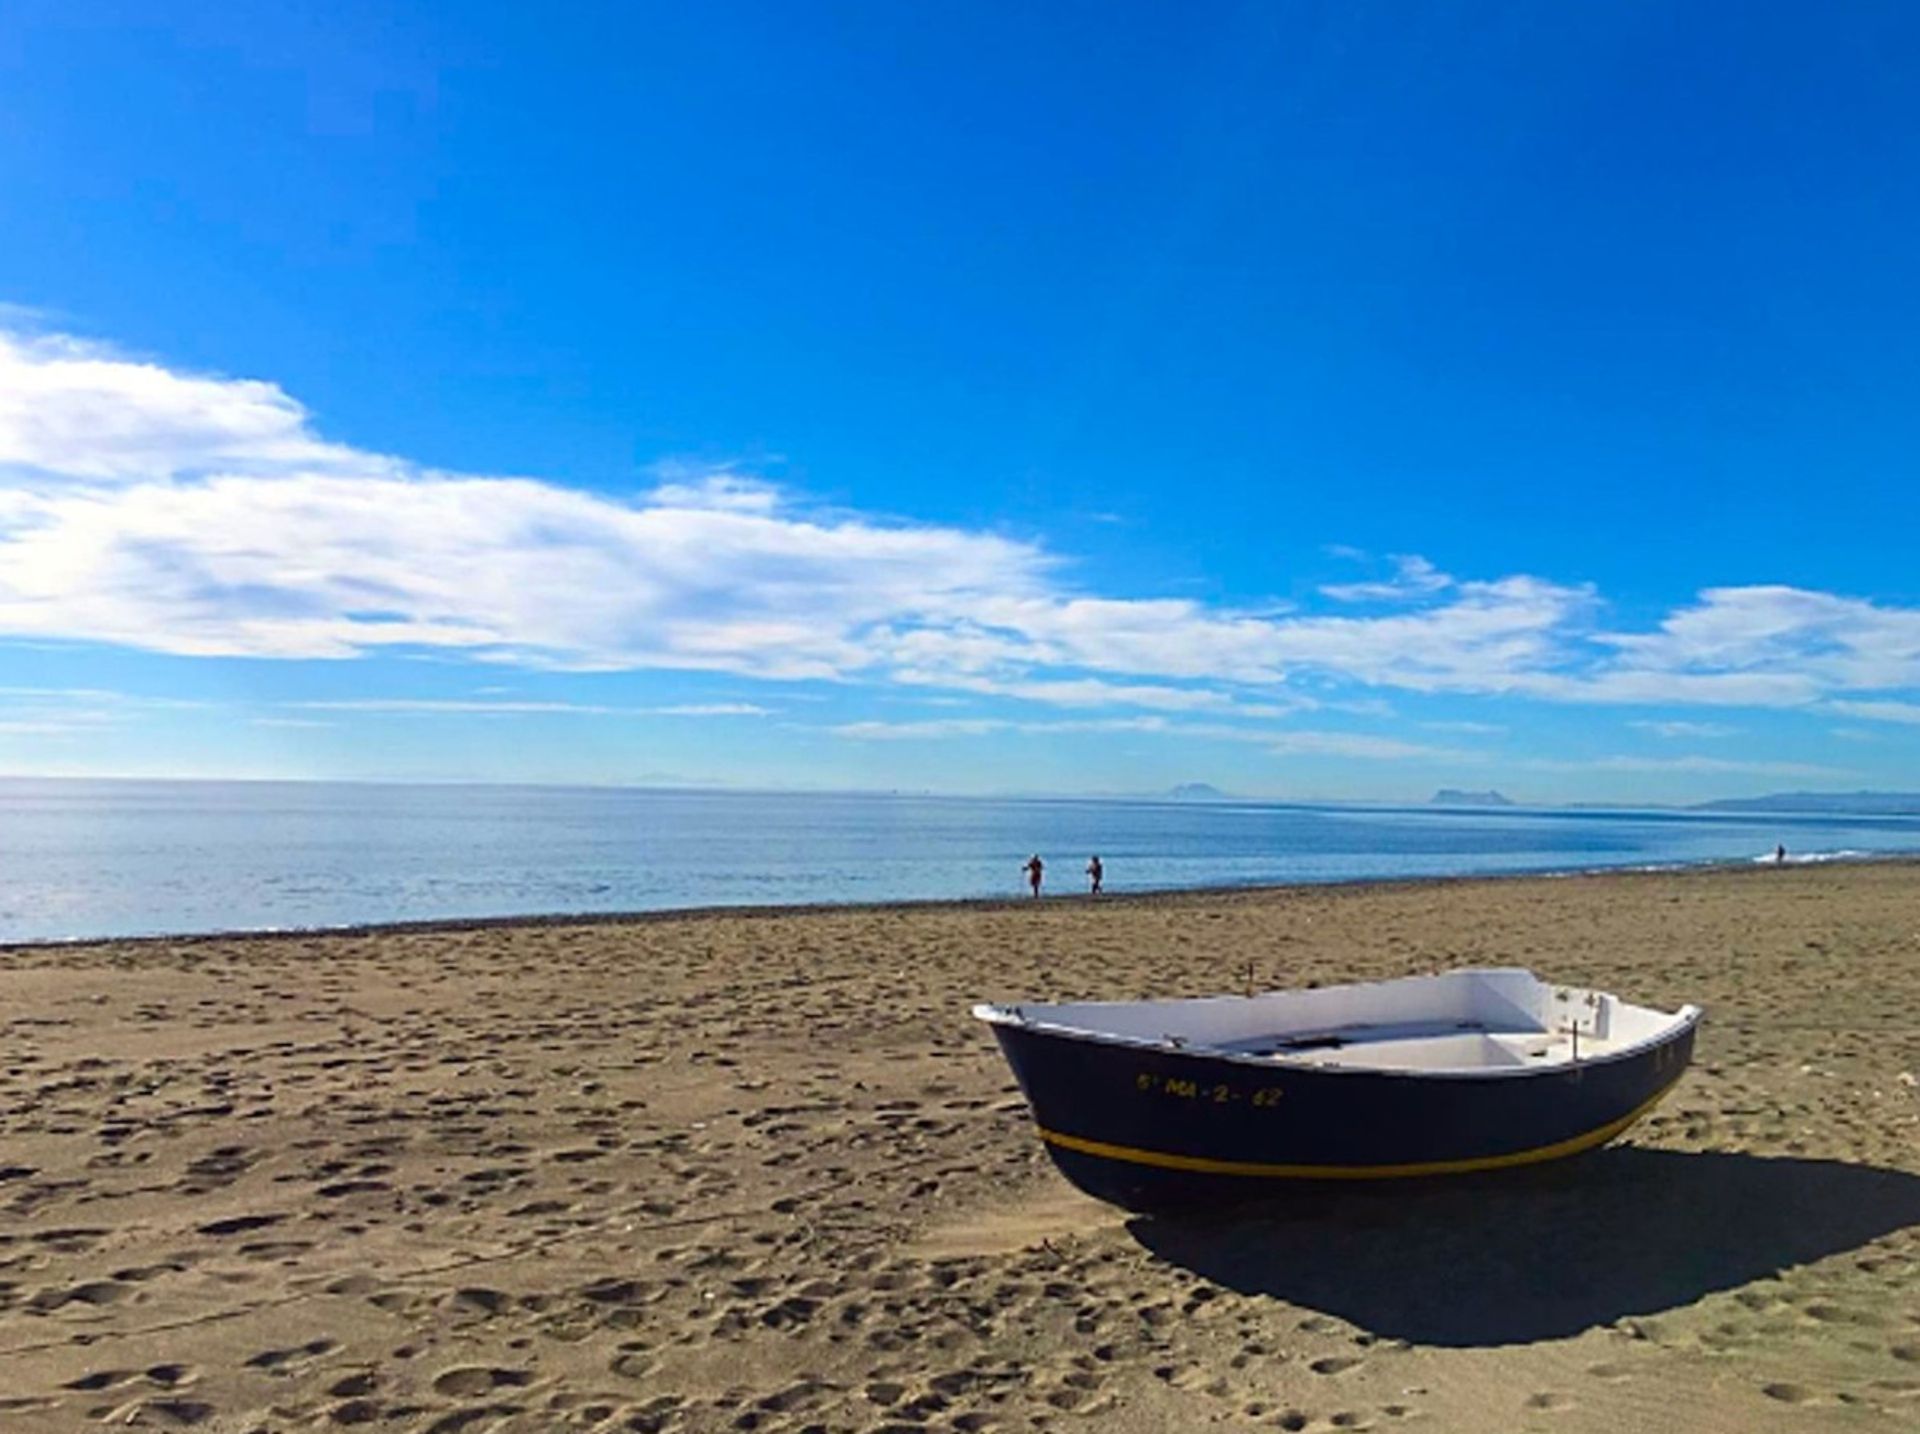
(761, 1172)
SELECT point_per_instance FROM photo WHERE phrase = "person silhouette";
(1034, 869)
(1096, 873)
(1780, 855)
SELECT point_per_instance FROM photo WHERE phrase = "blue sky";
(1334, 400)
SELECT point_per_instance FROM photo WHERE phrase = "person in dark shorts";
(1035, 868)
(1096, 873)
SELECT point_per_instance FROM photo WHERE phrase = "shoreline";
(1149, 897)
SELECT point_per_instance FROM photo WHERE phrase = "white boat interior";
(1462, 1021)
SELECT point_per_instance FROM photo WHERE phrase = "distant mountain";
(1454, 797)
(1198, 792)
(1872, 804)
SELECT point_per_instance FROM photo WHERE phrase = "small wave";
(1811, 858)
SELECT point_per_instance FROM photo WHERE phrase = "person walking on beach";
(1095, 874)
(1034, 869)
(1780, 855)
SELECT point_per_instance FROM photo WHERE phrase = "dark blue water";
(120, 858)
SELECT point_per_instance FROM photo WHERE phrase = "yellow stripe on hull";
(1201, 1165)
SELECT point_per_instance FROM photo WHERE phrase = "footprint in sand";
(355, 1187)
(286, 1360)
(1547, 1399)
(176, 1413)
(101, 1379)
(469, 1380)
(634, 1365)
(94, 1292)
(1788, 1393)
(476, 1297)
(75, 1241)
(1334, 1364)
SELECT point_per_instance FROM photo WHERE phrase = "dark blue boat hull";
(1149, 1127)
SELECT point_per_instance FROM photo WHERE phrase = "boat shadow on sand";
(1543, 1253)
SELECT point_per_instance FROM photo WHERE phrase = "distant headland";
(1876, 804)
(1455, 797)
(1197, 792)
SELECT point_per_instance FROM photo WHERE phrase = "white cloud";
(941, 727)
(1821, 639)
(200, 515)
(1279, 742)
(1356, 744)
(503, 569)
(1908, 712)
(75, 411)
(442, 706)
(1695, 764)
(920, 731)
(96, 695)
(1685, 729)
(38, 727)
(1414, 577)
(1095, 692)
(724, 491)
(64, 711)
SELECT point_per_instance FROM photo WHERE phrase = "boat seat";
(1278, 1043)
(1414, 1046)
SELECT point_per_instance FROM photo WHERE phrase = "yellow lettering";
(1187, 1088)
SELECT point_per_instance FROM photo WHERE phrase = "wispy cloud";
(1905, 712)
(1095, 692)
(1413, 578)
(1357, 744)
(942, 727)
(39, 727)
(476, 707)
(1690, 764)
(1278, 742)
(1684, 729)
(104, 695)
(722, 490)
(63, 711)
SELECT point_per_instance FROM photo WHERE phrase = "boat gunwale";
(1682, 1021)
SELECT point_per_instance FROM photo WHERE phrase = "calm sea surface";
(122, 858)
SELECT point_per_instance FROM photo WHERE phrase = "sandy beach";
(761, 1172)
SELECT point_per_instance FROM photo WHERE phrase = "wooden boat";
(1155, 1103)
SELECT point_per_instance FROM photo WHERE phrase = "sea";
(88, 858)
